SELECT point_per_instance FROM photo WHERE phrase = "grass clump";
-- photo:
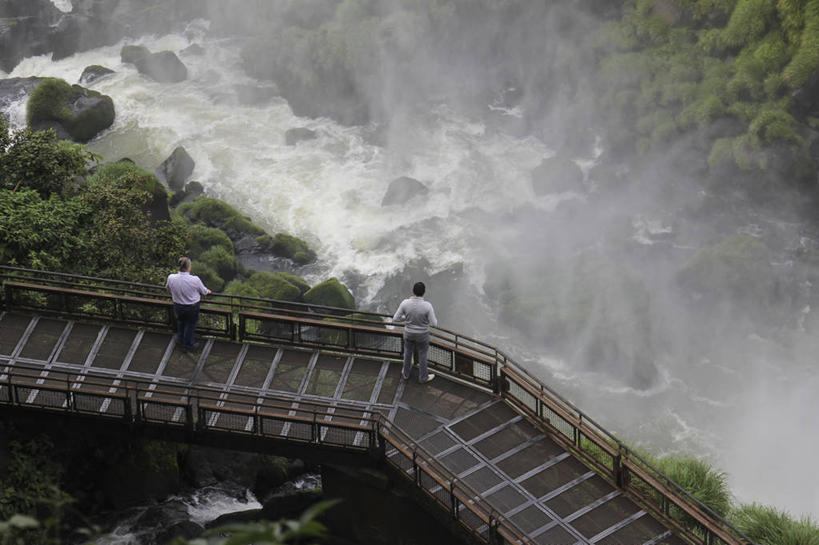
(769, 526)
(48, 101)
(330, 293)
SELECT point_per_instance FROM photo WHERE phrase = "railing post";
(620, 477)
(257, 425)
(314, 435)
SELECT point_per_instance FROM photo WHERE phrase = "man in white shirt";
(418, 316)
(186, 292)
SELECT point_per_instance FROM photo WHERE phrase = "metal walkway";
(510, 461)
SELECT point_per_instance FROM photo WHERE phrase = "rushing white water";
(66, 6)
(203, 506)
(753, 419)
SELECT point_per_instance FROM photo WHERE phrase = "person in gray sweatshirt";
(418, 316)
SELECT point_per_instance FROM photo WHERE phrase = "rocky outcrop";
(176, 169)
(557, 175)
(164, 66)
(402, 190)
(284, 245)
(93, 73)
(188, 194)
(298, 134)
(71, 110)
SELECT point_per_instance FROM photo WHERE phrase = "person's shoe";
(429, 378)
(403, 376)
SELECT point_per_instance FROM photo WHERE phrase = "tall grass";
(769, 526)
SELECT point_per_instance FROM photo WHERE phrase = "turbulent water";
(753, 420)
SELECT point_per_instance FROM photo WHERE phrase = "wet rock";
(299, 134)
(176, 169)
(164, 66)
(165, 515)
(185, 529)
(188, 194)
(93, 73)
(71, 110)
(194, 49)
(256, 94)
(402, 190)
(557, 175)
(13, 90)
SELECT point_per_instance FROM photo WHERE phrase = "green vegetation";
(204, 238)
(769, 526)
(215, 213)
(737, 59)
(49, 102)
(330, 293)
(285, 245)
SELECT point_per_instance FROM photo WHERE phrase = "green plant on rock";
(275, 286)
(330, 293)
(210, 278)
(770, 526)
(47, 101)
(219, 214)
(221, 261)
(204, 238)
(285, 245)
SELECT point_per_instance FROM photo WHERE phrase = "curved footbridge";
(502, 457)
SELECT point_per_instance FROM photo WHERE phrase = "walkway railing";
(253, 319)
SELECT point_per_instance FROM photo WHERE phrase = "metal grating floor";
(519, 471)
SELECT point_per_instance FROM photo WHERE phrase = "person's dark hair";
(419, 289)
(184, 263)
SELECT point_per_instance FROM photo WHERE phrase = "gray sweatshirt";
(416, 314)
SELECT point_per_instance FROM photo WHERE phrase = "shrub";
(48, 101)
(210, 278)
(806, 59)
(40, 160)
(702, 481)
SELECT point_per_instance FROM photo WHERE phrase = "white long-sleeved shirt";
(185, 288)
(417, 315)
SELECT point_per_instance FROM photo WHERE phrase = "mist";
(671, 301)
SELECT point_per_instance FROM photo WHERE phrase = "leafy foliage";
(40, 160)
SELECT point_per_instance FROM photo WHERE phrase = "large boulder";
(298, 134)
(164, 66)
(215, 213)
(71, 110)
(557, 174)
(176, 169)
(93, 73)
(402, 190)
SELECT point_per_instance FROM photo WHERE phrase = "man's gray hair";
(184, 263)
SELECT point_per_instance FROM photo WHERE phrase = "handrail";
(600, 449)
(140, 398)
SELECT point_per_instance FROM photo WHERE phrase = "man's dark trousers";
(186, 318)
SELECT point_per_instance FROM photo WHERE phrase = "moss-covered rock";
(284, 245)
(220, 260)
(188, 194)
(71, 110)
(215, 213)
(330, 293)
(274, 286)
(241, 288)
(204, 238)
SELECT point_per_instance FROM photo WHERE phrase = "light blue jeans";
(413, 342)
